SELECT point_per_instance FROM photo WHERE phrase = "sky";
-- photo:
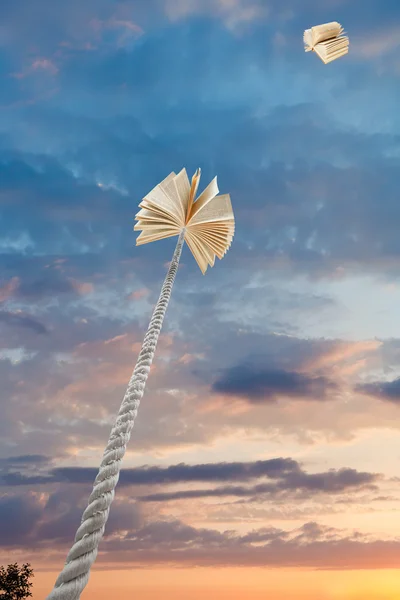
(264, 461)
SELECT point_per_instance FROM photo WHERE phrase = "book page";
(217, 246)
(218, 226)
(205, 249)
(149, 215)
(197, 254)
(144, 238)
(163, 183)
(325, 32)
(220, 236)
(167, 179)
(336, 55)
(159, 197)
(193, 192)
(340, 42)
(172, 192)
(182, 186)
(328, 56)
(307, 39)
(220, 209)
(217, 234)
(319, 51)
(161, 211)
(149, 225)
(206, 196)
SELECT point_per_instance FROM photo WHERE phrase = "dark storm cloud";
(385, 390)
(259, 385)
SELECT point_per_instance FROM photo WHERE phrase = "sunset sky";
(265, 458)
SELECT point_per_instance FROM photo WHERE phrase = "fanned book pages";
(327, 41)
(172, 205)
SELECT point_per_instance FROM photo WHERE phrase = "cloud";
(51, 283)
(285, 476)
(233, 13)
(385, 390)
(27, 459)
(174, 543)
(84, 160)
(19, 319)
(331, 482)
(180, 473)
(63, 511)
(266, 385)
(37, 518)
(40, 521)
(8, 289)
(379, 44)
(78, 373)
(18, 517)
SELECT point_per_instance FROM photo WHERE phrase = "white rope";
(75, 574)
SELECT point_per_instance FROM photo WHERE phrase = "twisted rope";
(75, 574)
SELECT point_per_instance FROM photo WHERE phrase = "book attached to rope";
(327, 41)
(172, 205)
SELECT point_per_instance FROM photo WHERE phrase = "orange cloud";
(101, 366)
(345, 358)
(188, 358)
(139, 294)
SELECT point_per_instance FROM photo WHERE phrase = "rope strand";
(75, 575)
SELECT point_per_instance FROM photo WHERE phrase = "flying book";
(327, 41)
(172, 206)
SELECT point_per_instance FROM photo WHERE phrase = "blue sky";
(290, 344)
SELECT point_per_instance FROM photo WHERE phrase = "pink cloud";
(344, 358)
(43, 65)
(139, 294)
(189, 358)
(125, 28)
(82, 287)
(56, 264)
(7, 290)
(121, 24)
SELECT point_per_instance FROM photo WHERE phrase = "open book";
(172, 205)
(327, 41)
